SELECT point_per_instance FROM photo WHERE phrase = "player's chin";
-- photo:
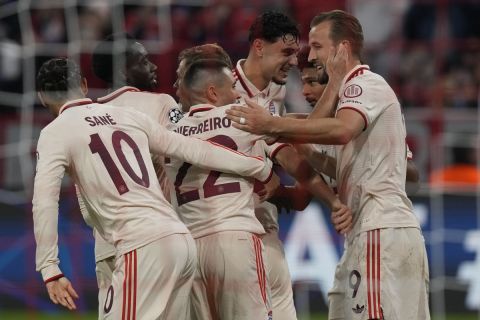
(280, 80)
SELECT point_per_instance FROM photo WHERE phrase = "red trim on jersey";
(268, 178)
(361, 113)
(58, 276)
(116, 93)
(199, 109)
(280, 147)
(356, 73)
(242, 83)
(75, 103)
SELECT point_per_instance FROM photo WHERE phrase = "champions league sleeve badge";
(175, 114)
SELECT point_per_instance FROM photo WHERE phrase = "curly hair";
(57, 76)
(106, 54)
(271, 26)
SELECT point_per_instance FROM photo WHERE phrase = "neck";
(253, 71)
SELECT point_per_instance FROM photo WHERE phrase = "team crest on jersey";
(353, 91)
(271, 107)
(175, 115)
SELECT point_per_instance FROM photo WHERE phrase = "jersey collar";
(116, 93)
(246, 84)
(200, 108)
(75, 103)
(356, 71)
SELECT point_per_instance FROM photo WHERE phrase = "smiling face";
(320, 44)
(278, 58)
(312, 90)
(141, 72)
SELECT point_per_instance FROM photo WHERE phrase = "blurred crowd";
(428, 50)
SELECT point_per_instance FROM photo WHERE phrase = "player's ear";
(84, 86)
(212, 95)
(258, 45)
(41, 98)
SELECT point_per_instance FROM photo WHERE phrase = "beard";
(323, 77)
(279, 81)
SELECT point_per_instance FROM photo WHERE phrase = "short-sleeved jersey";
(272, 97)
(209, 201)
(161, 108)
(105, 149)
(371, 168)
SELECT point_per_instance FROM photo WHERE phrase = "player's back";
(108, 156)
(210, 201)
(161, 108)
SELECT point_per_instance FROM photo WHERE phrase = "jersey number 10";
(97, 146)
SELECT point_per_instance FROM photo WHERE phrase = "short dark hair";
(57, 76)
(344, 26)
(203, 52)
(271, 26)
(192, 75)
(302, 58)
(106, 55)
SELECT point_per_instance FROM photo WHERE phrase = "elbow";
(343, 136)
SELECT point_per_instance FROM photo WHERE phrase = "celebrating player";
(105, 149)
(219, 209)
(383, 272)
(123, 63)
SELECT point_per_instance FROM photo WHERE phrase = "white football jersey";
(371, 168)
(161, 108)
(271, 98)
(328, 150)
(210, 201)
(105, 149)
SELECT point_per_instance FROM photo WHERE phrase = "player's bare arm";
(340, 130)
(61, 291)
(298, 167)
(320, 161)
(269, 188)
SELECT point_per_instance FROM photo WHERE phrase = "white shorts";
(278, 278)
(153, 281)
(383, 274)
(230, 281)
(104, 271)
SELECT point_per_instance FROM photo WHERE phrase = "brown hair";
(205, 51)
(343, 26)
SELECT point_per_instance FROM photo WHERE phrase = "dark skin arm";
(298, 167)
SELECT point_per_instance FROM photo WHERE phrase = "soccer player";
(123, 64)
(105, 149)
(218, 209)
(383, 273)
(322, 157)
(189, 56)
(273, 39)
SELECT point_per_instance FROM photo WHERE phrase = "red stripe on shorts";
(134, 284)
(369, 300)
(260, 269)
(124, 286)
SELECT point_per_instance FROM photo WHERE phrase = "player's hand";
(251, 118)
(337, 63)
(269, 188)
(61, 291)
(341, 217)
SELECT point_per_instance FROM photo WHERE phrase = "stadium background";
(429, 51)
